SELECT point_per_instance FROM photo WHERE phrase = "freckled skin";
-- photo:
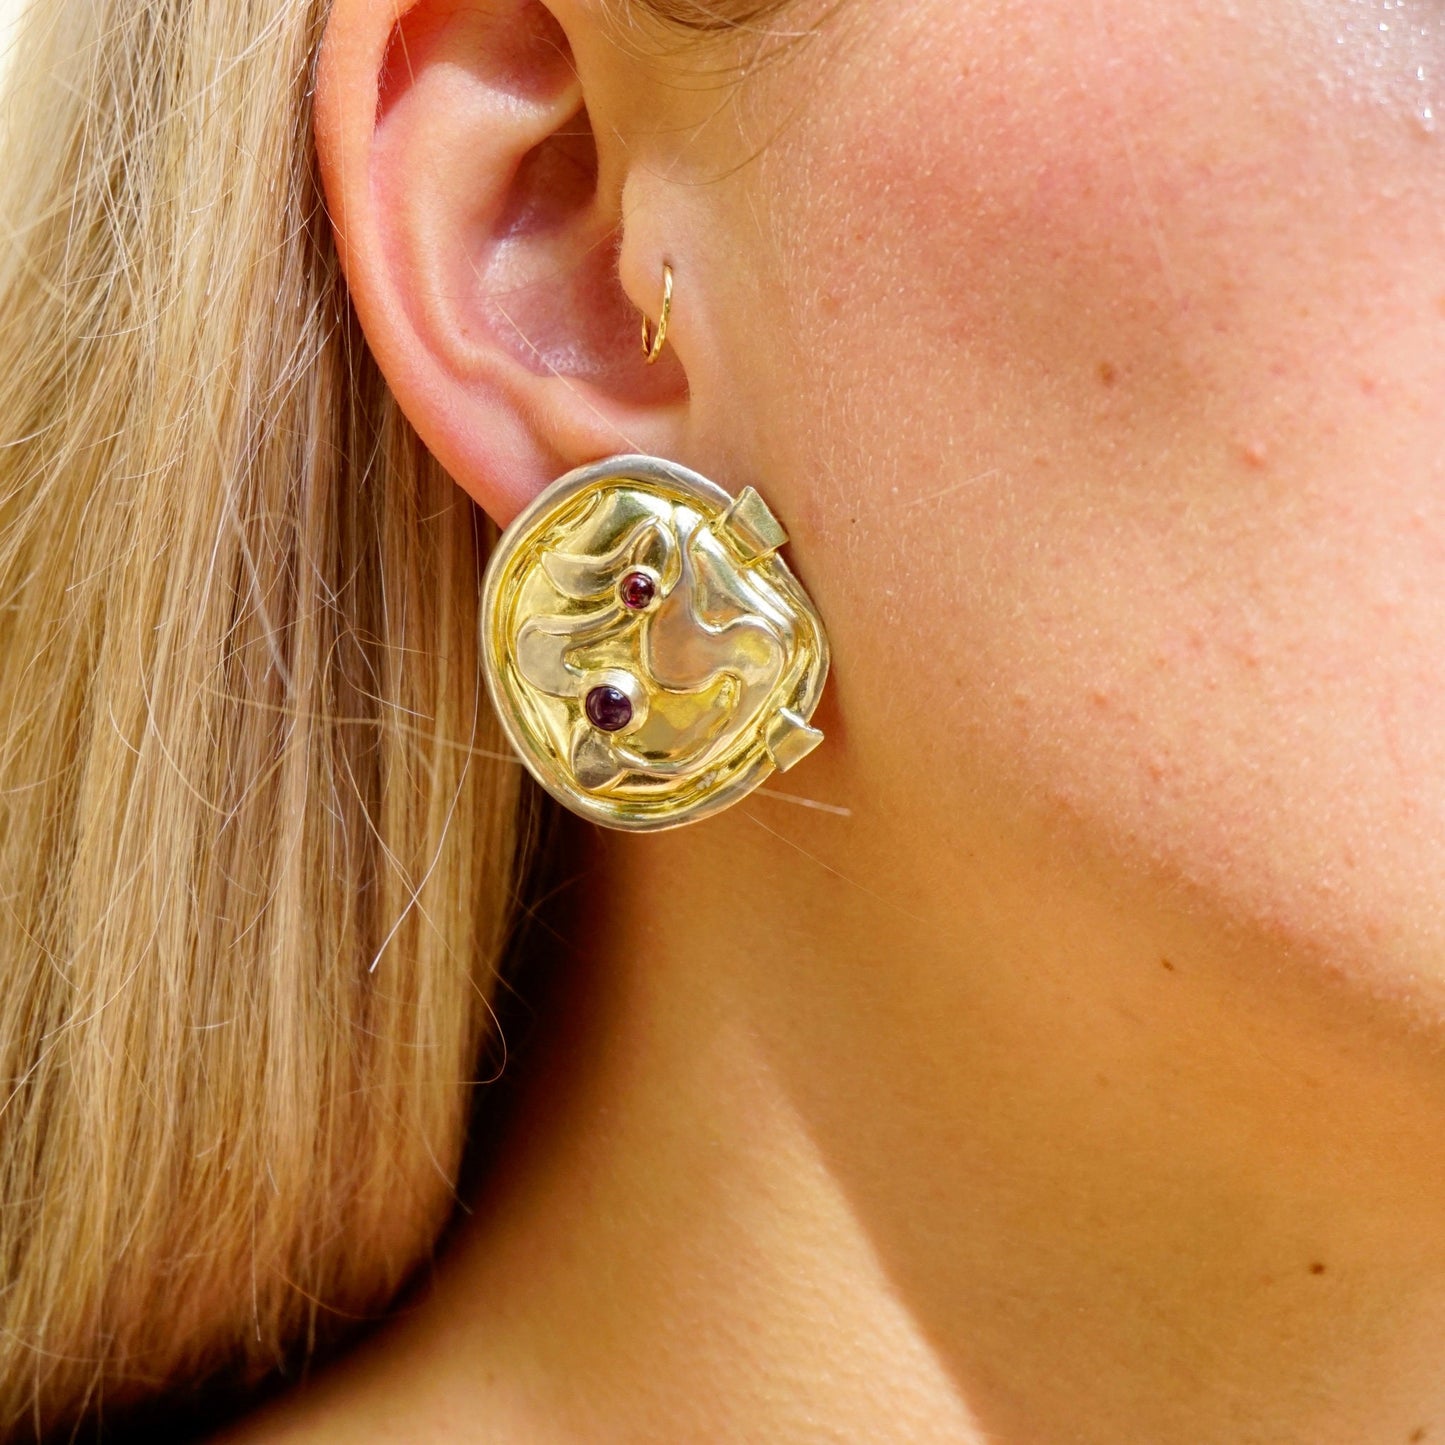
(1093, 355)
(1075, 323)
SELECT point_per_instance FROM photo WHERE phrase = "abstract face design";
(649, 654)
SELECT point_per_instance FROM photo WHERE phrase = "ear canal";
(549, 274)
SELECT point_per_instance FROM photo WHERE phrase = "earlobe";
(479, 233)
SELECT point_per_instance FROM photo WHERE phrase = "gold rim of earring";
(652, 345)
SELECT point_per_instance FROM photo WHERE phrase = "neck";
(793, 1160)
(666, 1251)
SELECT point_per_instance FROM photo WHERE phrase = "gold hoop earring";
(652, 345)
(649, 655)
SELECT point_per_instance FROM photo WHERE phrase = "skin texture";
(1076, 1073)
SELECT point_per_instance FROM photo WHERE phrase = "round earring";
(652, 344)
(651, 657)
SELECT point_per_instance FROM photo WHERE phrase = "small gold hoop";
(652, 345)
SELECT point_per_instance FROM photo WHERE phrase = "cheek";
(1101, 386)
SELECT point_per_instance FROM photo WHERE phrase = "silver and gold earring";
(649, 654)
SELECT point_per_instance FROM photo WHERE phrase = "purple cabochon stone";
(608, 708)
(637, 591)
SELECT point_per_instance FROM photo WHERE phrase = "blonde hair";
(702, 17)
(259, 840)
(258, 837)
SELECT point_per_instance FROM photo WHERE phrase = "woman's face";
(1095, 356)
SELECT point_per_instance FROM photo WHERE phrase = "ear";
(480, 237)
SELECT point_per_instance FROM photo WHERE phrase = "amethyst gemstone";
(608, 708)
(637, 590)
